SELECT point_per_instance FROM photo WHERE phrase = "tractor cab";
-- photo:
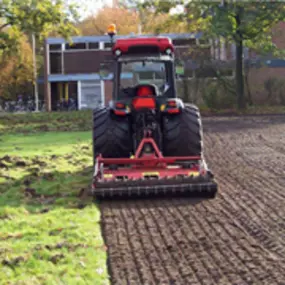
(144, 73)
(144, 61)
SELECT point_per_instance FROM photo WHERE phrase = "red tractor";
(148, 142)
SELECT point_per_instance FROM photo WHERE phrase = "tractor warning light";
(112, 30)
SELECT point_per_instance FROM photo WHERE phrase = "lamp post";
(36, 91)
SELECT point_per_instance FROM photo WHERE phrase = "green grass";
(49, 235)
(39, 122)
(42, 143)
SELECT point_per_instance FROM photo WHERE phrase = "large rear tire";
(111, 134)
(182, 133)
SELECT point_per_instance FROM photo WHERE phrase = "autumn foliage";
(126, 21)
(16, 72)
(129, 21)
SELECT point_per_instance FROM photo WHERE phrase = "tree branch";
(258, 32)
(4, 26)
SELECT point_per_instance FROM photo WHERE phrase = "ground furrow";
(197, 253)
(212, 246)
(251, 221)
(115, 235)
(138, 275)
(237, 238)
(256, 261)
(163, 244)
(244, 192)
(190, 264)
(153, 251)
(228, 247)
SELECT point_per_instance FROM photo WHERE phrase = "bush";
(216, 95)
(275, 88)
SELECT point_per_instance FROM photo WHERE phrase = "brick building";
(72, 71)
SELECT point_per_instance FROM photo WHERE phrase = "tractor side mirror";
(104, 70)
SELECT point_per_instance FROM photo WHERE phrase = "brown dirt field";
(237, 238)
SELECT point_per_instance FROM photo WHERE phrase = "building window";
(76, 46)
(55, 47)
(107, 45)
(94, 46)
(55, 63)
(203, 42)
(184, 42)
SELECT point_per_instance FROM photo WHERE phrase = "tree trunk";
(239, 75)
(239, 66)
(246, 75)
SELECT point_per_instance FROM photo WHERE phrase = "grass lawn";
(43, 122)
(45, 143)
(49, 233)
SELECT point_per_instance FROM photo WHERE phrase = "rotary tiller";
(151, 174)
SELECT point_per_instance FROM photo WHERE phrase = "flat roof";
(106, 38)
(84, 77)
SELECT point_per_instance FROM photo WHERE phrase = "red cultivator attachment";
(149, 173)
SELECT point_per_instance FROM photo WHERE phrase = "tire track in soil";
(268, 238)
(197, 238)
(238, 238)
(235, 269)
(267, 235)
(252, 216)
(250, 210)
(231, 173)
(276, 146)
(245, 248)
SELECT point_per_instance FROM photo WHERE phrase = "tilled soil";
(237, 238)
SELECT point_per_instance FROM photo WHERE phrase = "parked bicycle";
(20, 106)
(29, 105)
(66, 105)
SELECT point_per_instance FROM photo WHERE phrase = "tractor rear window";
(143, 72)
